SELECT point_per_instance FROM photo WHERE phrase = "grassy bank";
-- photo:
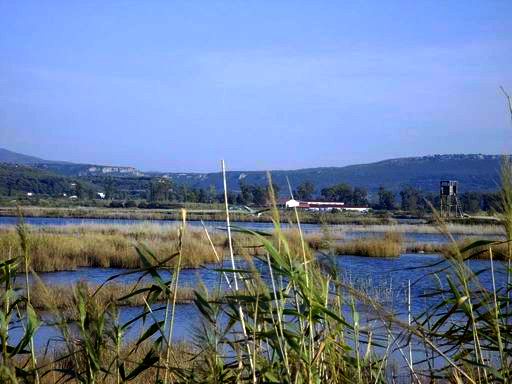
(193, 215)
(294, 328)
(69, 247)
(62, 296)
(452, 228)
(390, 245)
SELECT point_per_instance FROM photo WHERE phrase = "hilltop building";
(322, 206)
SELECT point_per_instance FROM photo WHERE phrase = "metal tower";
(450, 205)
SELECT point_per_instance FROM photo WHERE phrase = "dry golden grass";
(426, 248)
(195, 212)
(390, 245)
(62, 297)
(499, 251)
(52, 367)
(453, 228)
(110, 246)
(70, 247)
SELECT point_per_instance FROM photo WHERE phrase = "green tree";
(275, 189)
(305, 191)
(79, 190)
(471, 202)
(246, 194)
(212, 194)
(360, 196)
(260, 195)
(386, 199)
(340, 193)
(159, 189)
(411, 199)
(110, 188)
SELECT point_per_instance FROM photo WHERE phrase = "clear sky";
(177, 86)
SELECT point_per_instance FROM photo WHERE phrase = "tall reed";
(287, 317)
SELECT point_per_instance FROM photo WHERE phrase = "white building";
(322, 206)
(292, 203)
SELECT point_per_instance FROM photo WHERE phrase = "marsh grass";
(207, 214)
(301, 323)
(54, 366)
(297, 327)
(72, 247)
(107, 246)
(62, 296)
(452, 228)
(390, 245)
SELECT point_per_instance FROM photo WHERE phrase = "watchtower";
(450, 205)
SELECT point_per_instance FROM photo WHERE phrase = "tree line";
(408, 199)
(151, 191)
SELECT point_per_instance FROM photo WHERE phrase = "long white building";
(324, 206)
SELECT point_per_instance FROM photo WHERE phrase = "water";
(410, 237)
(384, 278)
(388, 275)
(372, 275)
(382, 272)
(60, 221)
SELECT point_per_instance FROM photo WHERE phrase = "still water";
(386, 279)
(338, 230)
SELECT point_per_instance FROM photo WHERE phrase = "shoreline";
(192, 215)
(195, 214)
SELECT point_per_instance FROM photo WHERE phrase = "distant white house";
(324, 206)
(30, 194)
(101, 195)
(292, 203)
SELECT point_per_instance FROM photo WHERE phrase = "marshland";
(376, 249)
(183, 302)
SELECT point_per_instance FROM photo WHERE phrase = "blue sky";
(177, 86)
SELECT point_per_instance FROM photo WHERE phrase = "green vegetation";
(474, 173)
(68, 248)
(304, 325)
(390, 245)
(197, 212)
(346, 194)
(301, 324)
(62, 297)
(73, 246)
(414, 180)
(17, 180)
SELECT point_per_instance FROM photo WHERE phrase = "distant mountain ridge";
(66, 168)
(7, 156)
(475, 172)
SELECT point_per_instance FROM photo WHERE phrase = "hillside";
(18, 179)
(65, 168)
(7, 156)
(474, 173)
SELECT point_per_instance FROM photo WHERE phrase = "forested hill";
(7, 156)
(474, 173)
(16, 178)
